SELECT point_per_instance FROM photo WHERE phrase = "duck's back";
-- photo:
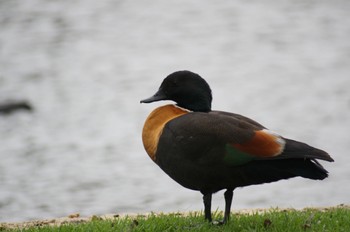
(198, 150)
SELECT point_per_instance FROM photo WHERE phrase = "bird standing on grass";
(208, 151)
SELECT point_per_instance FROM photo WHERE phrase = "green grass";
(333, 219)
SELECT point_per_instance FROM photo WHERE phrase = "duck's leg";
(207, 206)
(228, 201)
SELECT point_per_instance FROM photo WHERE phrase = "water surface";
(85, 65)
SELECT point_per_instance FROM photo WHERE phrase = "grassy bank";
(326, 219)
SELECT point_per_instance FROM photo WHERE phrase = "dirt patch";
(70, 219)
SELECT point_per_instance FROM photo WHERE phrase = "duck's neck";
(195, 105)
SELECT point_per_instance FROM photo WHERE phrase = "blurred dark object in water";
(11, 107)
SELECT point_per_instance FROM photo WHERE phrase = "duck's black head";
(187, 89)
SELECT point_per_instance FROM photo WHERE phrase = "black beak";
(158, 96)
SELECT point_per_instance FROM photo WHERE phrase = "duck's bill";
(158, 96)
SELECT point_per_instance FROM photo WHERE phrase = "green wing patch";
(235, 157)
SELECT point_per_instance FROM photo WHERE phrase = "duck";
(208, 150)
(11, 107)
